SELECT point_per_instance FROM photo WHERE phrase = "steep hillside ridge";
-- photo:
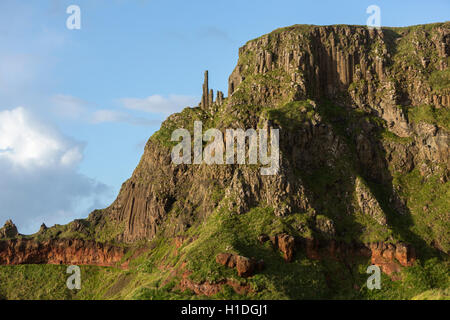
(364, 163)
(378, 99)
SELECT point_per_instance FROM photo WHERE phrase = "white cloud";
(40, 181)
(29, 143)
(159, 104)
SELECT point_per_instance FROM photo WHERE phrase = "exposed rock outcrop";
(245, 267)
(42, 228)
(389, 257)
(356, 68)
(207, 102)
(66, 252)
(286, 244)
(9, 230)
(368, 203)
(324, 61)
(209, 288)
(349, 103)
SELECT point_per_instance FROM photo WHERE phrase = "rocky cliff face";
(319, 62)
(378, 84)
(364, 135)
(65, 252)
(379, 72)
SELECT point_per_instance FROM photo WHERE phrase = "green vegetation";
(45, 282)
(97, 227)
(429, 280)
(429, 204)
(291, 115)
(185, 119)
(429, 114)
(151, 275)
(387, 135)
(440, 79)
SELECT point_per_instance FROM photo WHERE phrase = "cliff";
(364, 166)
(380, 98)
(65, 252)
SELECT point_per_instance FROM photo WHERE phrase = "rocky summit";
(364, 132)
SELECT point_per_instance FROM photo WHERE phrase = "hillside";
(364, 124)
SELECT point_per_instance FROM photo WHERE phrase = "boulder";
(286, 244)
(244, 266)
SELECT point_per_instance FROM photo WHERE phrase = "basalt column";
(206, 94)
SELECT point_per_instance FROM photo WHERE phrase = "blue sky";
(77, 106)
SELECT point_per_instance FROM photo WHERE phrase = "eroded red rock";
(245, 267)
(66, 252)
(389, 257)
(286, 244)
(209, 288)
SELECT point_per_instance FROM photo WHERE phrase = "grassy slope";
(151, 275)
